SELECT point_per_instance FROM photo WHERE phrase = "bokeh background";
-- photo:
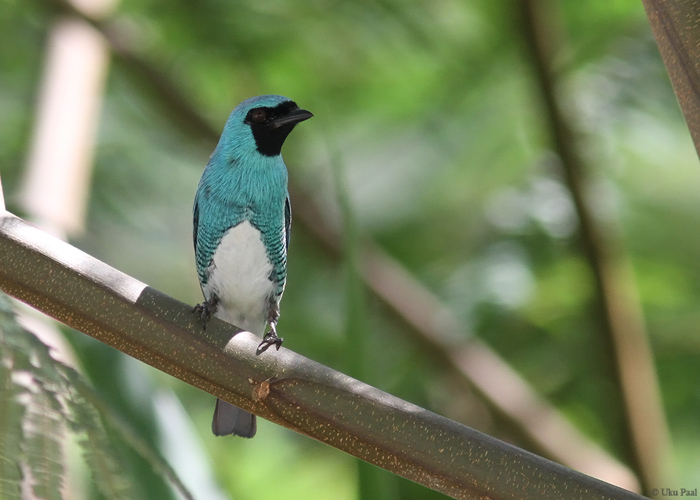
(432, 140)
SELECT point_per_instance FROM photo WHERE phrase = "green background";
(428, 122)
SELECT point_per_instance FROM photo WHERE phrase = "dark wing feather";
(287, 222)
(195, 223)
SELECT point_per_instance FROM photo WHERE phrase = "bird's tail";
(229, 419)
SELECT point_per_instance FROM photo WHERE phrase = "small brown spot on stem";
(261, 391)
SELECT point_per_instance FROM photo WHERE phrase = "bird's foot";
(270, 339)
(206, 310)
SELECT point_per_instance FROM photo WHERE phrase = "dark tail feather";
(229, 419)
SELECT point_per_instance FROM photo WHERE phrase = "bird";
(241, 226)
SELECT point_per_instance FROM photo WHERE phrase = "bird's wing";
(209, 224)
(195, 221)
(287, 221)
(274, 231)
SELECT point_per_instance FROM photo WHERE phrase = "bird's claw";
(270, 339)
(206, 310)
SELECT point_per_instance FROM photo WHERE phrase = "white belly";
(240, 277)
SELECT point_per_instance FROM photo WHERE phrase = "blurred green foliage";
(430, 109)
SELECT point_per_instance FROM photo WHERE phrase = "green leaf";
(42, 446)
(41, 399)
(11, 415)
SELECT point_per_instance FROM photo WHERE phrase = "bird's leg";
(271, 337)
(206, 309)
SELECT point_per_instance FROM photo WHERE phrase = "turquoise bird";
(242, 220)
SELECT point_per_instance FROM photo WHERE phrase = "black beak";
(292, 118)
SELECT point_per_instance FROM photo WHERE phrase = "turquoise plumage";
(242, 220)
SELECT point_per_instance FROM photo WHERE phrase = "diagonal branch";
(281, 386)
(677, 31)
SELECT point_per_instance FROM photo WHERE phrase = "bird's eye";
(259, 115)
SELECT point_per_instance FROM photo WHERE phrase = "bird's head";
(263, 123)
